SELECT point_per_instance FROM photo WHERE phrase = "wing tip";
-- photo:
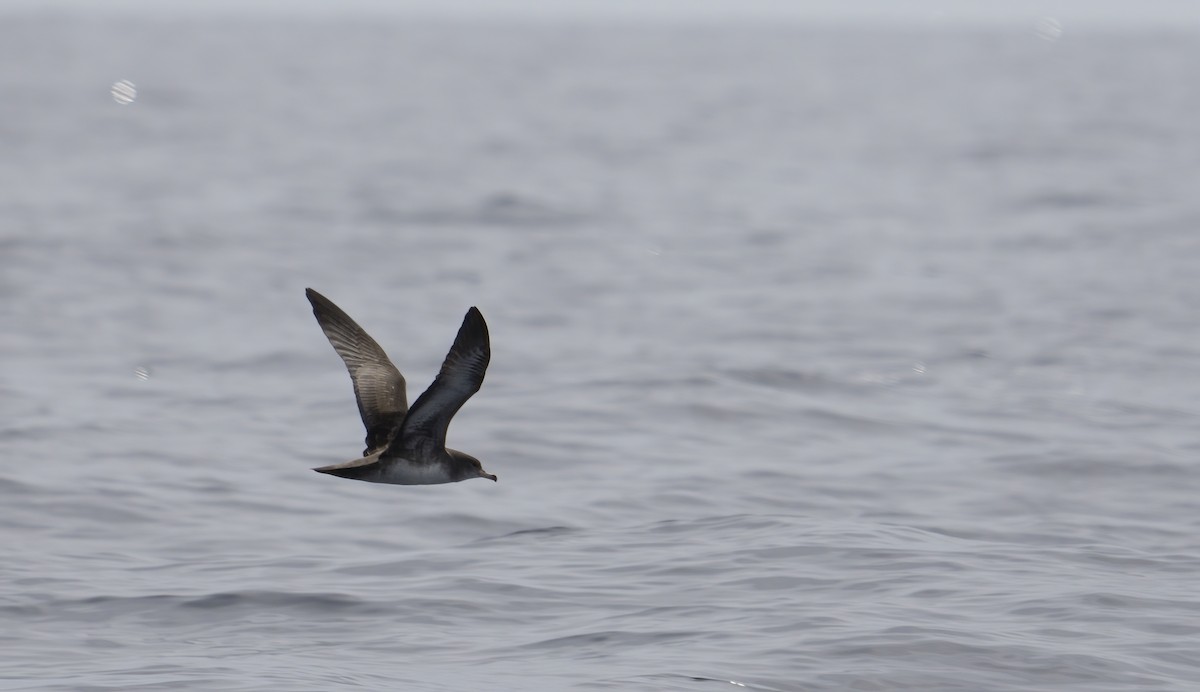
(327, 312)
(474, 324)
(316, 300)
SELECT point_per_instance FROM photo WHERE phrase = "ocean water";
(823, 358)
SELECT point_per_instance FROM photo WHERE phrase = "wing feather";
(461, 376)
(378, 385)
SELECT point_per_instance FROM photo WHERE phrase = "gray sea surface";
(823, 358)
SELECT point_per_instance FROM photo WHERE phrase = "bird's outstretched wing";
(378, 385)
(461, 375)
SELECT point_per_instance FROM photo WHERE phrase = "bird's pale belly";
(404, 473)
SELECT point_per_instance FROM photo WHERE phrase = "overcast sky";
(1177, 13)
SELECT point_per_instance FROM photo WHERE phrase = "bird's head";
(470, 466)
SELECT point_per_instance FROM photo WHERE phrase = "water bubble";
(141, 372)
(1048, 28)
(124, 92)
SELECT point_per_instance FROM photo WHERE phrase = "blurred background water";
(823, 358)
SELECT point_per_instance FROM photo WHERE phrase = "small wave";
(607, 640)
(541, 532)
(104, 607)
(1064, 200)
(10, 487)
(497, 209)
(779, 378)
(677, 681)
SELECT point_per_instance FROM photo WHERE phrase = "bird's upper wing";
(461, 375)
(378, 385)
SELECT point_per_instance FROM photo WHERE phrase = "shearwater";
(406, 446)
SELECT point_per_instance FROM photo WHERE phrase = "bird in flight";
(406, 446)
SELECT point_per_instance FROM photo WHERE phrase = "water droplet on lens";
(124, 92)
(1048, 28)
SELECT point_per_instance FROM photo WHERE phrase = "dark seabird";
(406, 446)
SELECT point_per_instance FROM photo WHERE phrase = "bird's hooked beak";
(485, 474)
